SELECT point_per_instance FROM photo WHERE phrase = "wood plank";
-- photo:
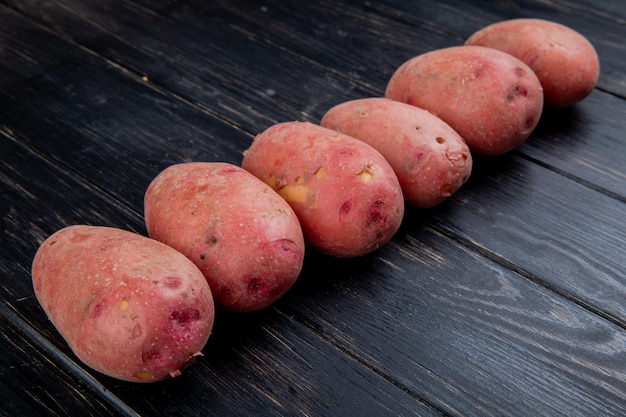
(560, 233)
(580, 142)
(98, 121)
(610, 10)
(466, 334)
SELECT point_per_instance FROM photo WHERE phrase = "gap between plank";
(76, 176)
(361, 360)
(573, 178)
(502, 261)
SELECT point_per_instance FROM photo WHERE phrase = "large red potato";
(492, 99)
(344, 192)
(430, 158)
(244, 237)
(565, 62)
(128, 306)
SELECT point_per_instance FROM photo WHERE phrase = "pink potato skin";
(344, 192)
(128, 306)
(244, 237)
(492, 99)
(565, 62)
(430, 159)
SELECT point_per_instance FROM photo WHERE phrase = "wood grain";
(34, 384)
(506, 300)
(465, 333)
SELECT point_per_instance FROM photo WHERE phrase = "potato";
(430, 159)
(245, 239)
(565, 62)
(128, 306)
(344, 192)
(492, 99)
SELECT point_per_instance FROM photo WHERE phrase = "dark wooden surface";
(509, 299)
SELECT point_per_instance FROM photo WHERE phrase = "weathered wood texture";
(509, 299)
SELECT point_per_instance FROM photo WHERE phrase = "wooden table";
(508, 299)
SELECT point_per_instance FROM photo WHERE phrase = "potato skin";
(565, 62)
(430, 159)
(128, 306)
(243, 236)
(344, 192)
(492, 99)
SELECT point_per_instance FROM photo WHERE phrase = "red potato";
(492, 99)
(128, 306)
(430, 159)
(344, 192)
(245, 239)
(565, 62)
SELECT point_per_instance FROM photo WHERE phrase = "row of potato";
(233, 237)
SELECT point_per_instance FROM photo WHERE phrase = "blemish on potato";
(279, 183)
(294, 193)
(446, 190)
(320, 172)
(151, 355)
(171, 282)
(560, 46)
(123, 305)
(137, 331)
(271, 181)
(227, 296)
(472, 76)
(185, 316)
(254, 285)
(529, 124)
(458, 159)
(143, 375)
(376, 214)
(366, 173)
(517, 91)
(440, 140)
(345, 207)
(97, 310)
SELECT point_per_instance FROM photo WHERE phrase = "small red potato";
(244, 237)
(128, 306)
(492, 99)
(344, 192)
(430, 159)
(565, 62)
